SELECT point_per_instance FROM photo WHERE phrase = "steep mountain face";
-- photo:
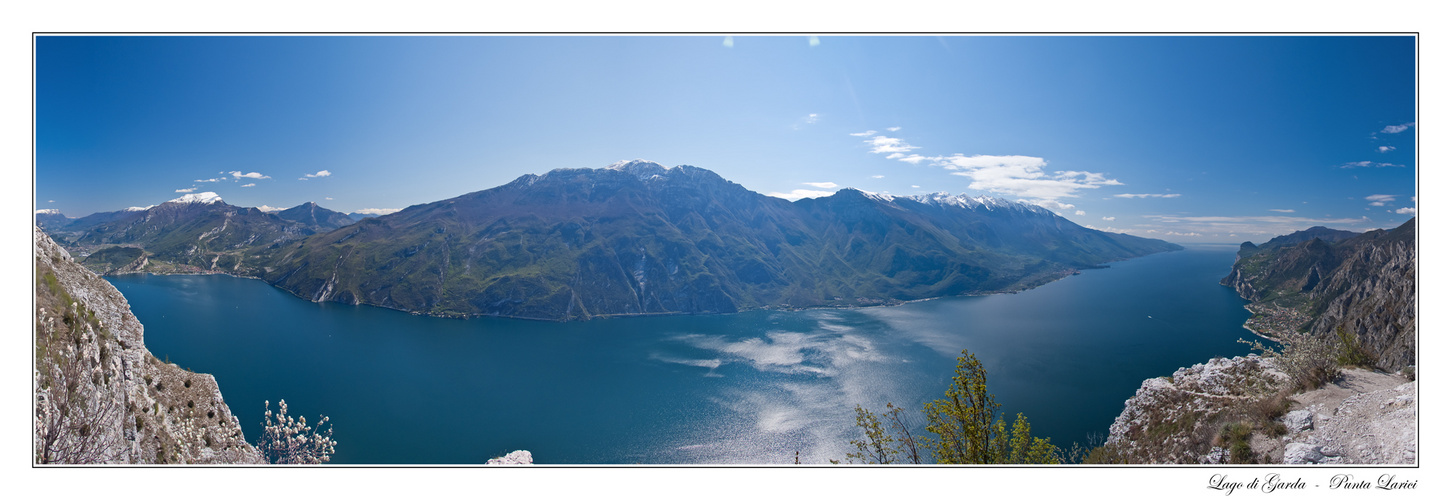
(195, 233)
(314, 216)
(100, 396)
(639, 238)
(1364, 286)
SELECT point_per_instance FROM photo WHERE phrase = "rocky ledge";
(1364, 418)
(1239, 411)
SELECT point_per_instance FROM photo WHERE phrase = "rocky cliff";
(100, 396)
(1364, 286)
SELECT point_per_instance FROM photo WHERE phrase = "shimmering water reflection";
(754, 387)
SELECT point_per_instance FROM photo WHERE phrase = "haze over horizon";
(1187, 139)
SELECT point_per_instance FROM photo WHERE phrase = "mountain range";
(632, 238)
(1326, 282)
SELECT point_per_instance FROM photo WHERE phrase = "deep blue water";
(753, 387)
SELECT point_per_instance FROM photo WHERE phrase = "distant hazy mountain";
(639, 238)
(51, 218)
(1321, 233)
(311, 214)
(1365, 284)
(195, 232)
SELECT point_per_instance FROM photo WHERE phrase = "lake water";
(754, 387)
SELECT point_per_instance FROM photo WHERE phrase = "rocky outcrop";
(100, 396)
(517, 457)
(1176, 419)
(1362, 417)
(1364, 286)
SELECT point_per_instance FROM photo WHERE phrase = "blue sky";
(1189, 139)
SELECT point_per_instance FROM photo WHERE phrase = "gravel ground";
(1364, 418)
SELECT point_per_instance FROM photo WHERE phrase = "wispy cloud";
(1386, 149)
(1255, 224)
(1022, 176)
(797, 194)
(1406, 211)
(219, 179)
(893, 129)
(1110, 219)
(249, 184)
(884, 144)
(1368, 164)
(822, 185)
(1080, 213)
(248, 175)
(868, 133)
(1146, 195)
(1051, 204)
(376, 211)
(1396, 129)
(728, 42)
(813, 41)
(878, 176)
(320, 173)
(1380, 200)
(1283, 210)
(187, 190)
(811, 118)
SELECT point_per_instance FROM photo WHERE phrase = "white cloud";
(893, 129)
(187, 190)
(1110, 219)
(328, 198)
(1283, 210)
(249, 184)
(813, 41)
(1050, 204)
(1386, 149)
(884, 144)
(868, 133)
(1146, 195)
(320, 173)
(1396, 129)
(1380, 200)
(1176, 233)
(248, 175)
(268, 209)
(1368, 164)
(1108, 229)
(1406, 210)
(914, 186)
(913, 158)
(1022, 176)
(878, 176)
(728, 42)
(1080, 213)
(211, 180)
(811, 118)
(797, 194)
(822, 185)
(377, 211)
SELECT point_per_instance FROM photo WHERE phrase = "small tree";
(291, 441)
(966, 432)
(1308, 359)
(888, 444)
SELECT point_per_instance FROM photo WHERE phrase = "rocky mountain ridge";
(100, 396)
(639, 238)
(1363, 285)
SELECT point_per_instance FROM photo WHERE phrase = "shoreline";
(884, 302)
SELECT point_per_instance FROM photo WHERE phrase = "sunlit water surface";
(754, 387)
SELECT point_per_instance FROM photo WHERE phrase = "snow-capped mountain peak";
(204, 198)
